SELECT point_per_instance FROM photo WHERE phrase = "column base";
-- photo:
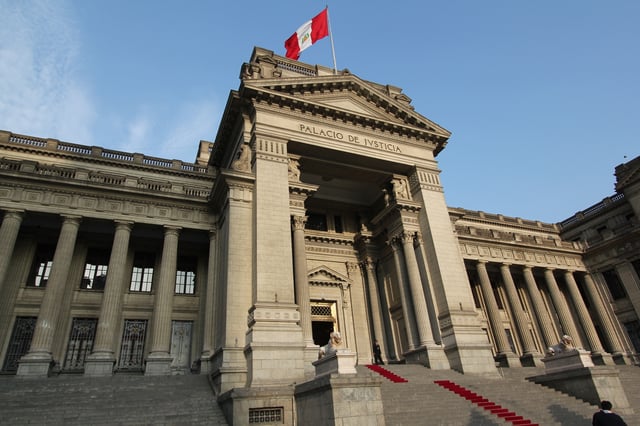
(508, 359)
(602, 358)
(99, 364)
(531, 359)
(158, 364)
(431, 356)
(37, 364)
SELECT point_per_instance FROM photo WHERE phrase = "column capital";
(15, 213)
(298, 222)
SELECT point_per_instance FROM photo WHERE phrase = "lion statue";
(565, 344)
(335, 343)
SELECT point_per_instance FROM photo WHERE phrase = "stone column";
(39, 358)
(505, 354)
(530, 355)
(374, 302)
(597, 351)
(603, 317)
(407, 309)
(102, 358)
(209, 305)
(159, 359)
(300, 278)
(8, 236)
(539, 308)
(417, 293)
(568, 326)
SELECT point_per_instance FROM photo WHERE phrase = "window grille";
(83, 332)
(20, 342)
(321, 310)
(132, 347)
(266, 415)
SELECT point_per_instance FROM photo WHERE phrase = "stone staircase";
(118, 400)
(420, 401)
(188, 400)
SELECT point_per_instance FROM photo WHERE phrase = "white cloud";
(40, 92)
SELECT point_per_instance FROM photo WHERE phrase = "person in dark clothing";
(605, 417)
(377, 353)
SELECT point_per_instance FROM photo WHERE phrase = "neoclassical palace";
(317, 208)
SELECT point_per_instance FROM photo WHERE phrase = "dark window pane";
(316, 222)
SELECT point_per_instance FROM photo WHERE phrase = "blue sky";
(542, 98)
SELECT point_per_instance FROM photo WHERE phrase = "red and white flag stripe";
(310, 32)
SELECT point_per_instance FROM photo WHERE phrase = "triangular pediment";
(313, 88)
(323, 275)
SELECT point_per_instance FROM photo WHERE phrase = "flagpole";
(333, 50)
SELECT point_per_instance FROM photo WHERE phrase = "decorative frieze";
(514, 256)
(43, 199)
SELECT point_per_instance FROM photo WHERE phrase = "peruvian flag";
(310, 32)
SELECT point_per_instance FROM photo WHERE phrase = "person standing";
(377, 353)
(606, 417)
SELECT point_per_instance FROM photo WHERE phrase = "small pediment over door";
(325, 276)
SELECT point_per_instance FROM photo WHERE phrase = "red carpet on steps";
(386, 373)
(493, 408)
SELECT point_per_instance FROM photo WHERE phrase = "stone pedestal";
(335, 399)
(574, 373)
(569, 360)
(259, 405)
(343, 361)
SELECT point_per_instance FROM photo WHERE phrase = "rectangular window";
(142, 275)
(186, 275)
(41, 267)
(95, 270)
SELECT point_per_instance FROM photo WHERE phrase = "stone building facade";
(317, 208)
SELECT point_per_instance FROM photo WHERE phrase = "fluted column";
(528, 345)
(407, 310)
(493, 313)
(583, 314)
(209, 304)
(417, 293)
(37, 361)
(8, 236)
(539, 308)
(568, 326)
(101, 360)
(374, 301)
(301, 279)
(159, 359)
(603, 317)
